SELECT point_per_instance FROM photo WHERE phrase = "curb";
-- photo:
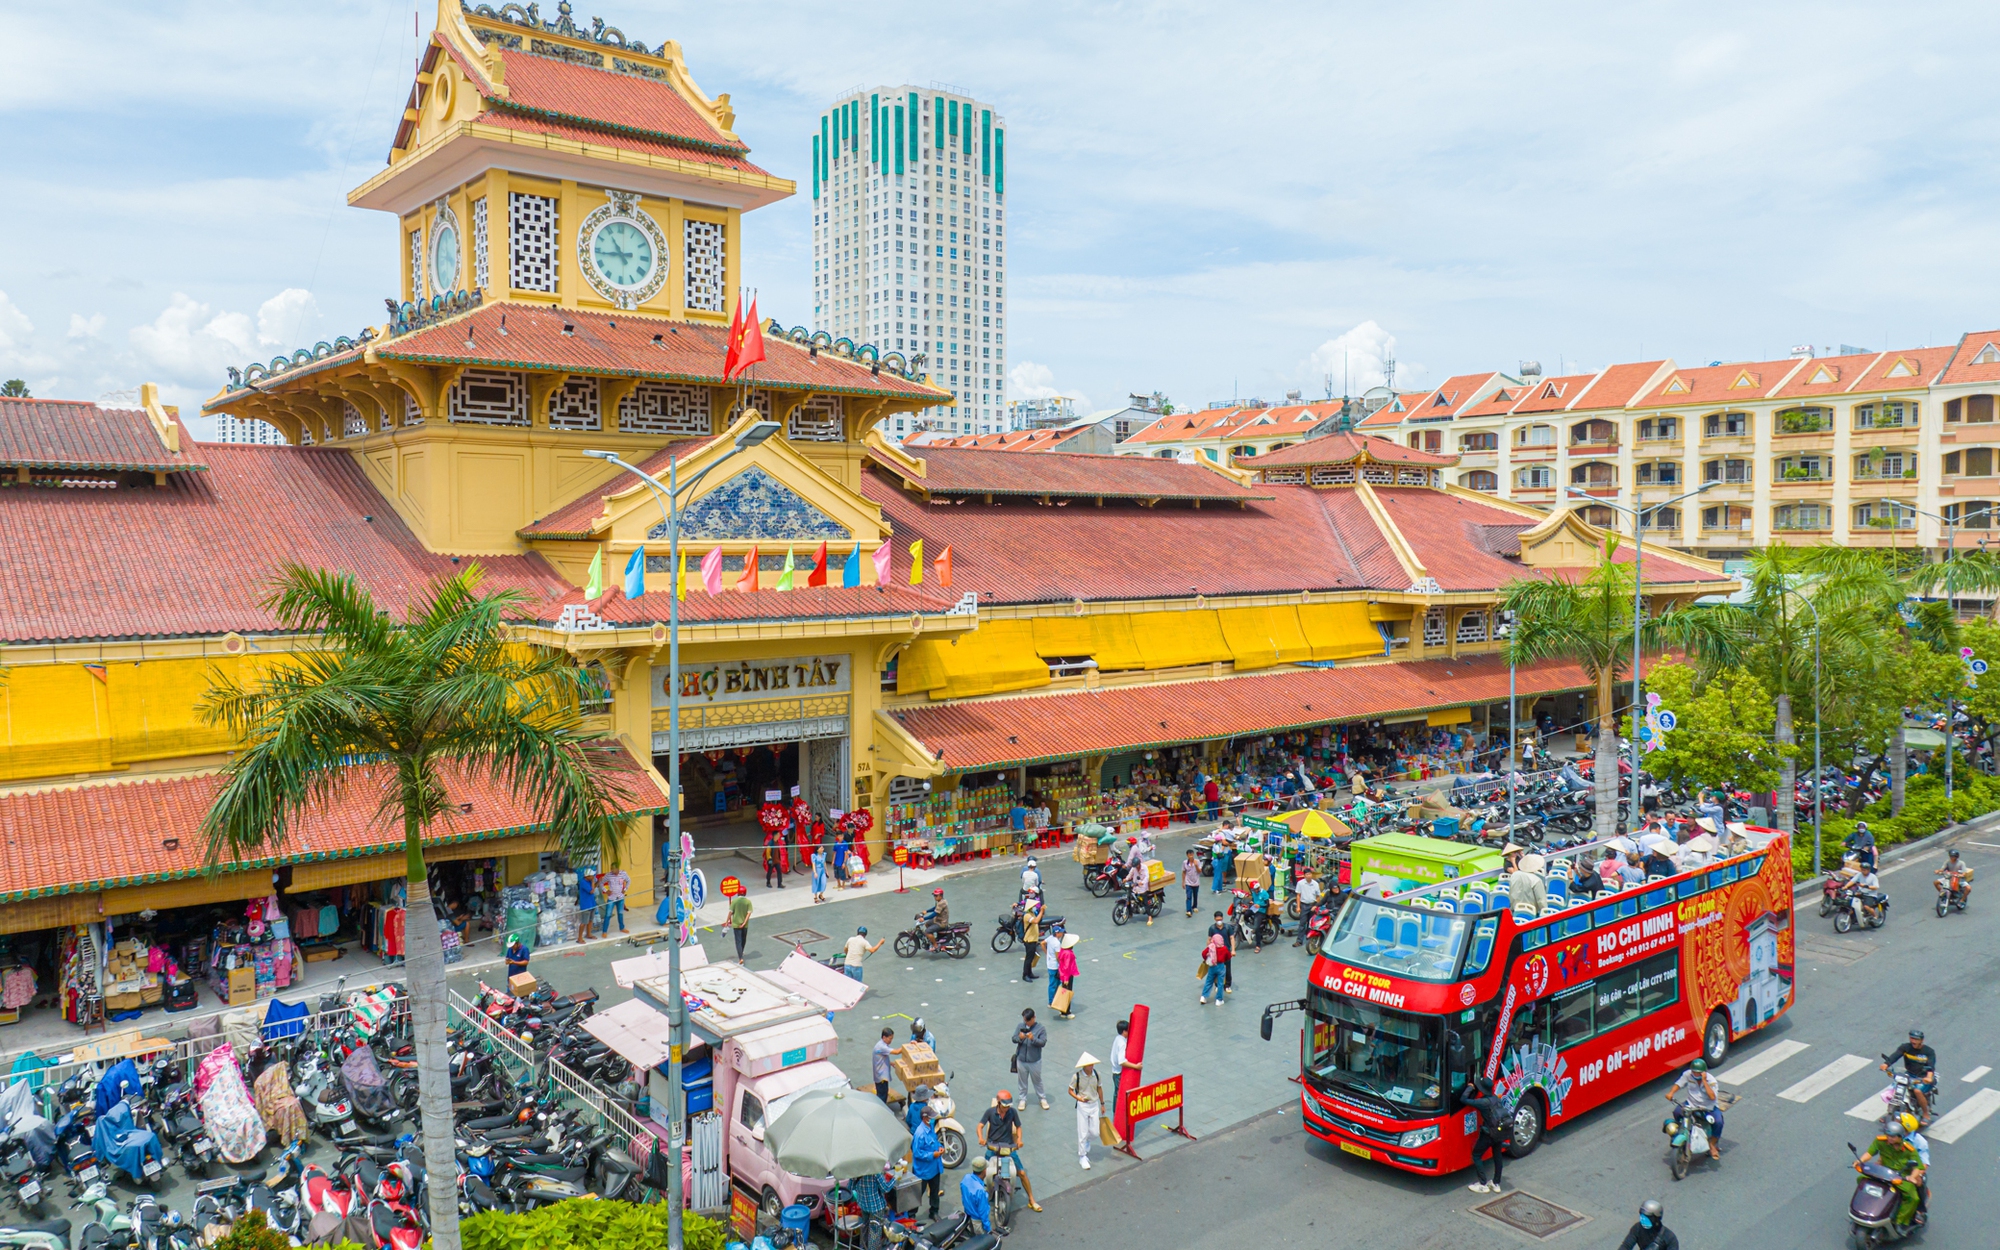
(1904, 850)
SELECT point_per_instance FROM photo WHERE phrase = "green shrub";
(1924, 813)
(587, 1224)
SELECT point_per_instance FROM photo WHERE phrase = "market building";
(1074, 626)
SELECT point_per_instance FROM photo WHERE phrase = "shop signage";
(747, 681)
(742, 1213)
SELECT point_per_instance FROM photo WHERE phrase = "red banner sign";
(1156, 1099)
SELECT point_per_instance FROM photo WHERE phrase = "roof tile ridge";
(1867, 369)
(1802, 362)
(1406, 555)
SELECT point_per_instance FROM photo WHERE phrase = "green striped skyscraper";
(909, 188)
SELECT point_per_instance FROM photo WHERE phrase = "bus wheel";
(1715, 1039)
(1528, 1122)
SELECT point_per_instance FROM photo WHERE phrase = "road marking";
(1965, 1117)
(1869, 1108)
(1991, 846)
(1761, 1062)
(1825, 1079)
(1976, 1073)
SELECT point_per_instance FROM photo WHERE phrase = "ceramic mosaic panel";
(753, 504)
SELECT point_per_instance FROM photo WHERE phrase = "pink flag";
(711, 571)
(882, 555)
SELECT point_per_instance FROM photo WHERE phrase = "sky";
(1208, 201)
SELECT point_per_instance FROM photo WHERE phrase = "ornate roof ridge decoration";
(529, 17)
(817, 341)
(247, 377)
(417, 315)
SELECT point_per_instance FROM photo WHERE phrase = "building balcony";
(1800, 487)
(1976, 432)
(1898, 485)
(1478, 459)
(1726, 441)
(1540, 453)
(1803, 440)
(1889, 435)
(1592, 446)
(1538, 495)
(1970, 487)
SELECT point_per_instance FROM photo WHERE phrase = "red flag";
(746, 341)
(944, 568)
(747, 580)
(818, 576)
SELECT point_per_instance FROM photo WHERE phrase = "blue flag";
(850, 573)
(635, 574)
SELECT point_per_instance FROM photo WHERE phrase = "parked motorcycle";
(177, 1122)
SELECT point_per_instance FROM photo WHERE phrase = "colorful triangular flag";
(635, 574)
(681, 580)
(883, 554)
(593, 585)
(711, 571)
(917, 563)
(944, 568)
(747, 583)
(785, 575)
(818, 575)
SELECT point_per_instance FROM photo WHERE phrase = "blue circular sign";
(696, 889)
(1666, 719)
(1979, 668)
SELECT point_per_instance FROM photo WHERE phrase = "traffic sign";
(1979, 668)
(1645, 733)
(695, 887)
(1667, 720)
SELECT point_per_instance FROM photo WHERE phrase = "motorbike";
(124, 1144)
(953, 1232)
(1829, 895)
(110, 1227)
(1850, 910)
(1687, 1133)
(954, 940)
(1953, 893)
(1148, 905)
(1899, 1095)
(1318, 925)
(1007, 929)
(1871, 1212)
(1099, 879)
(22, 1177)
(177, 1123)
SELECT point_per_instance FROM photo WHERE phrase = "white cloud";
(193, 343)
(288, 318)
(14, 324)
(82, 327)
(1356, 360)
(1028, 380)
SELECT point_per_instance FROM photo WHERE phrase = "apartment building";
(1236, 431)
(1867, 449)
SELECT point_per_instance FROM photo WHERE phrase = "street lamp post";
(1638, 514)
(1513, 724)
(1951, 702)
(669, 497)
(1818, 797)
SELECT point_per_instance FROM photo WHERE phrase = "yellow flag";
(681, 582)
(785, 578)
(917, 563)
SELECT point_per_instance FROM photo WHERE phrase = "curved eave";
(651, 375)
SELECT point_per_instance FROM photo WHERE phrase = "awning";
(1340, 631)
(629, 972)
(817, 983)
(50, 913)
(1922, 739)
(1264, 637)
(635, 1030)
(327, 873)
(1179, 639)
(1450, 716)
(785, 1046)
(188, 892)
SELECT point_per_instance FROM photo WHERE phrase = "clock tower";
(545, 162)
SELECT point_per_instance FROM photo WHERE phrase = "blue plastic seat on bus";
(1385, 935)
(1482, 950)
(1558, 889)
(1433, 933)
(1502, 901)
(1408, 938)
(1473, 901)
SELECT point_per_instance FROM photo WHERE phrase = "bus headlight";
(1418, 1137)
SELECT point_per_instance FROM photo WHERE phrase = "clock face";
(444, 258)
(623, 253)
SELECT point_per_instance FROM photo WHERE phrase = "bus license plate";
(1353, 1149)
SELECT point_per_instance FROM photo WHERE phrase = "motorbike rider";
(1869, 901)
(1893, 1151)
(1695, 1093)
(1920, 1065)
(1919, 1143)
(1031, 878)
(1651, 1232)
(1861, 843)
(1955, 874)
(936, 919)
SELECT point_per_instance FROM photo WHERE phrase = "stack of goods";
(916, 1064)
(125, 976)
(950, 825)
(76, 967)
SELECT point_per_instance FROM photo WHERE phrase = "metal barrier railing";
(621, 1122)
(513, 1050)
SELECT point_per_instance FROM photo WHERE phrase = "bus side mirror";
(1264, 1026)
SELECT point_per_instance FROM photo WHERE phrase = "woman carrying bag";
(1066, 976)
(1214, 967)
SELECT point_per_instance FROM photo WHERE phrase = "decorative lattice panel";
(1472, 627)
(1378, 475)
(489, 397)
(1285, 477)
(1334, 475)
(412, 415)
(704, 266)
(760, 400)
(665, 408)
(817, 420)
(1412, 477)
(531, 242)
(479, 270)
(1434, 627)
(575, 406)
(353, 424)
(417, 264)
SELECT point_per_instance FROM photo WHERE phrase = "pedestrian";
(1215, 966)
(1227, 931)
(774, 874)
(1191, 881)
(1065, 1000)
(517, 956)
(1310, 891)
(857, 953)
(1029, 1039)
(883, 1068)
(1031, 936)
(611, 899)
(739, 921)
(973, 1197)
(1088, 1092)
(1219, 861)
(840, 859)
(1119, 1061)
(1054, 944)
(872, 1195)
(1494, 1127)
(924, 1151)
(1211, 797)
(586, 906)
(819, 874)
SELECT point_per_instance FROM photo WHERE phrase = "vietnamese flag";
(818, 575)
(746, 340)
(735, 348)
(943, 563)
(748, 581)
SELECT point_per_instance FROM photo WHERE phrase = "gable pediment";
(1823, 375)
(1563, 541)
(1743, 380)
(753, 506)
(1677, 386)
(1988, 355)
(1903, 368)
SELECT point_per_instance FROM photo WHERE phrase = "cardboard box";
(521, 983)
(1252, 871)
(151, 994)
(1157, 876)
(242, 987)
(122, 1002)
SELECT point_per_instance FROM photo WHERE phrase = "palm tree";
(1589, 620)
(14, 388)
(402, 710)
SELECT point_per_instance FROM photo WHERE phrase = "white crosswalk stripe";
(1965, 1117)
(1761, 1062)
(1869, 1108)
(1825, 1079)
(1975, 1074)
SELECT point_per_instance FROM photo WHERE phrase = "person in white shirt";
(858, 950)
(1310, 893)
(1031, 878)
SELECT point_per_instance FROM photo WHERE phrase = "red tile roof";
(997, 732)
(803, 603)
(74, 434)
(622, 345)
(1453, 538)
(1718, 384)
(1009, 440)
(556, 128)
(1344, 448)
(573, 519)
(196, 557)
(1067, 475)
(1908, 369)
(1547, 394)
(1965, 366)
(556, 90)
(69, 839)
(1235, 422)
(1439, 402)
(1617, 386)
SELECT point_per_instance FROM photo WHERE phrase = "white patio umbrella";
(837, 1132)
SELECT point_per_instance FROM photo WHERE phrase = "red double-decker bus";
(1415, 994)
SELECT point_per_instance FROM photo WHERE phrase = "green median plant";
(588, 1224)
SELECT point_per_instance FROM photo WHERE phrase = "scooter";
(1687, 1131)
(1850, 911)
(178, 1125)
(1871, 1212)
(111, 1227)
(1953, 893)
(18, 1171)
(35, 1235)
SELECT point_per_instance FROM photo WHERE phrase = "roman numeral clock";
(623, 251)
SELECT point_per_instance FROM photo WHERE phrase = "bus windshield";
(1391, 1057)
(1413, 942)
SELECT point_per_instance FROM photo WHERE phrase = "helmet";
(1894, 1130)
(1006, 1096)
(1952, 854)
(1699, 1065)
(1917, 1034)
(917, 1025)
(862, 930)
(1909, 1122)
(1652, 1209)
(1031, 860)
(938, 893)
